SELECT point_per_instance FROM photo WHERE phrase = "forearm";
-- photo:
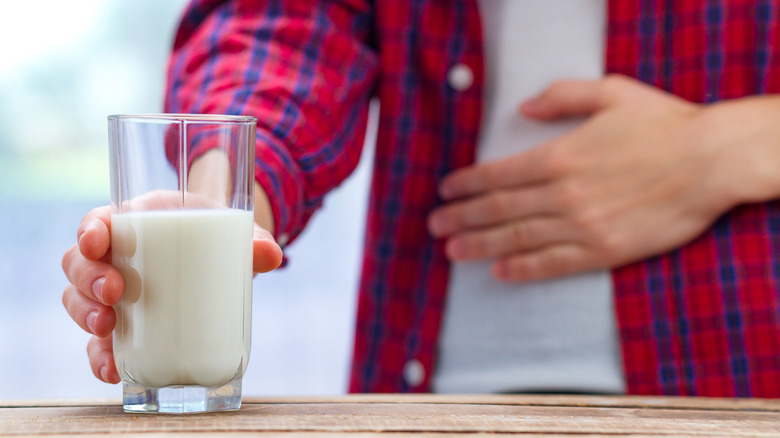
(245, 58)
(742, 139)
(210, 176)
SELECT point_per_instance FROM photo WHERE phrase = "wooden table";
(406, 415)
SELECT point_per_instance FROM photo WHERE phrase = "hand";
(96, 285)
(635, 180)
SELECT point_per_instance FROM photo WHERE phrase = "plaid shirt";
(701, 320)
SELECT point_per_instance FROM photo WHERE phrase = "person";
(658, 199)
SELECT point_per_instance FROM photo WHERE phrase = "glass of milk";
(182, 196)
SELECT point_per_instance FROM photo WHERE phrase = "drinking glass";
(182, 192)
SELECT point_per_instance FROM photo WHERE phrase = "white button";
(460, 77)
(282, 239)
(414, 373)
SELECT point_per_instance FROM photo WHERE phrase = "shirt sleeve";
(303, 68)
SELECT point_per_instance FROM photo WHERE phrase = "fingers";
(98, 281)
(569, 98)
(94, 237)
(90, 315)
(566, 99)
(548, 262)
(267, 255)
(101, 359)
(527, 168)
(509, 238)
(573, 98)
(493, 208)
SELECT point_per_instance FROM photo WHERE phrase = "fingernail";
(91, 318)
(104, 373)
(97, 288)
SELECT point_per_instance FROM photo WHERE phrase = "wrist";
(263, 212)
(745, 142)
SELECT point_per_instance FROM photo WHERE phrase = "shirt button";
(414, 373)
(460, 77)
(282, 239)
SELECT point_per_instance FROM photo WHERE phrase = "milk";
(184, 318)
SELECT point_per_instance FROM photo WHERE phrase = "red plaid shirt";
(702, 320)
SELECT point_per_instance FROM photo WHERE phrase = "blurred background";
(65, 66)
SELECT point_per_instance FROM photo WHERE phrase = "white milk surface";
(185, 316)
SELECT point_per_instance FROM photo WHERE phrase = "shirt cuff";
(280, 177)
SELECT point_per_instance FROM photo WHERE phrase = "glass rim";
(186, 118)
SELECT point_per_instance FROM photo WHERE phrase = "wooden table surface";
(407, 415)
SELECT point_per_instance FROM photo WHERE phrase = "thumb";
(571, 98)
(266, 253)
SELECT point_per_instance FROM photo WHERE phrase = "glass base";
(182, 399)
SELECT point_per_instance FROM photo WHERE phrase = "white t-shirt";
(558, 335)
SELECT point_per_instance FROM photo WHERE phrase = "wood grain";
(402, 415)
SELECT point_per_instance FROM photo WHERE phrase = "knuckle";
(555, 88)
(593, 223)
(454, 217)
(475, 245)
(90, 219)
(468, 215)
(587, 219)
(86, 276)
(549, 262)
(556, 262)
(593, 228)
(533, 266)
(66, 296)
(497, 203)
(613, 244)
(616, 85)
(614, 82)
(95, 212)
(557, 161)
(67, 258)
(519, 234)
(86, 221)
(568, 196)
(490, 176)
(91, 345)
